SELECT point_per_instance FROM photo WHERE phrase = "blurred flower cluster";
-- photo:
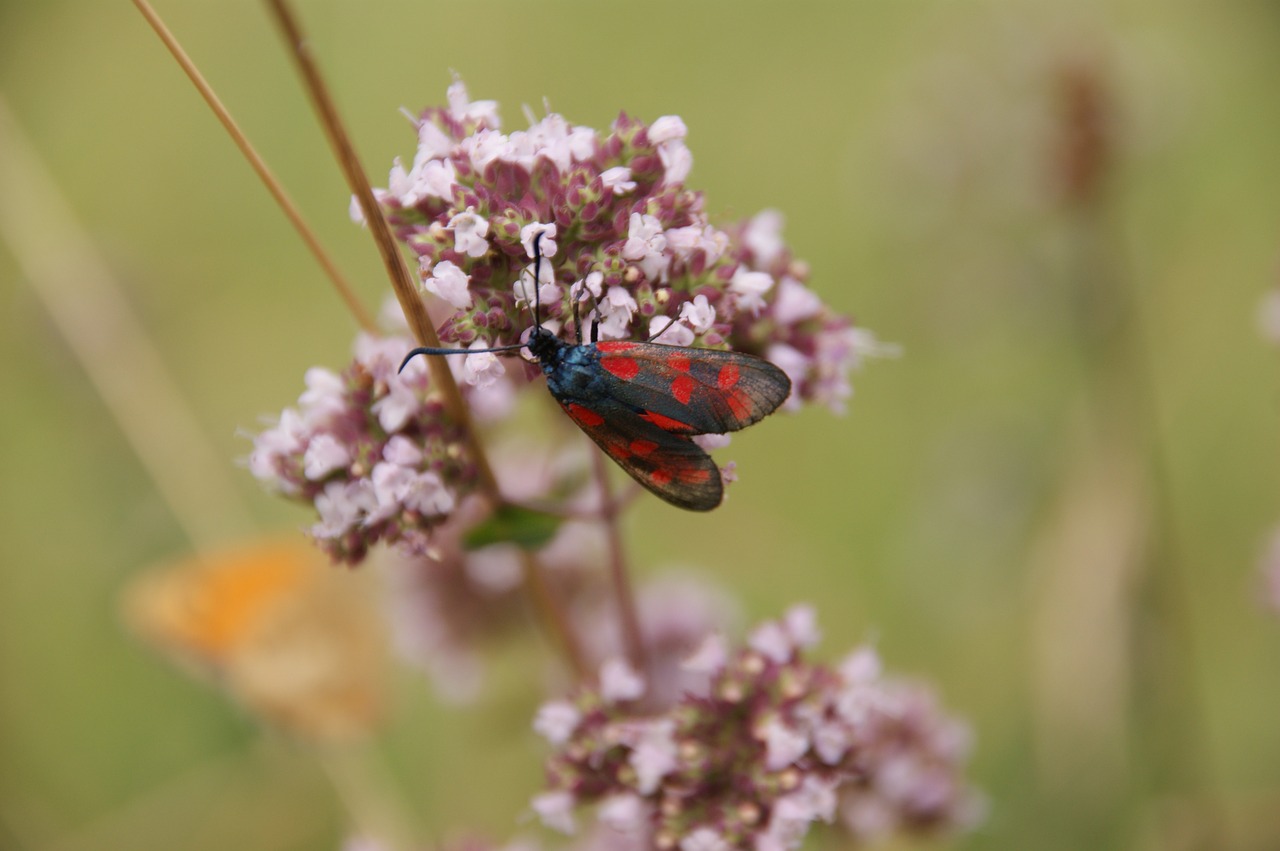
(372, 449)
(769, 744)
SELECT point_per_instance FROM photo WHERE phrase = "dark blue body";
(573, 372)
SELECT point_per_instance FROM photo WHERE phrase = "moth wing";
(668, 465)
(706, 391)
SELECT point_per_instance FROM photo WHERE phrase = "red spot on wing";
(624, 368)
(679, 363)
(615, 346)
(661, 477)
(642, 447)
(695, 475)
(682, 389)
(584, 417)
(665, 423)
(728, 376)
(740, 404)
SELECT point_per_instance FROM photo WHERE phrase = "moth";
(643, 402)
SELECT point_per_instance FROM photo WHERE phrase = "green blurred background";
(1122, 696)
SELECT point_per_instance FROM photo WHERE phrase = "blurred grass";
(909, 520)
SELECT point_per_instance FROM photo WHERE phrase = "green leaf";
(512, 524)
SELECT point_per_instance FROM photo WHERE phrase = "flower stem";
(416, 313)
(345, 291)
(401, 280)
(553, 615)
(622, 588)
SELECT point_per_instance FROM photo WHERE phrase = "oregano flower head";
(621, 233)
(771, 745)
(373, 449)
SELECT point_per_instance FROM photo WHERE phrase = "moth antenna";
(345, 290)
(577, 322)
(537, 282)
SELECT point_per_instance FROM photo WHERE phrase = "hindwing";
(669, 465)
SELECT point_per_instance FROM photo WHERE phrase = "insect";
(642, 402)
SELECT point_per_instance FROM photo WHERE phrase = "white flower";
(619, 681)
(433, 143)
(428, 178)
(698, 313)
(782, 744)
(710, 657)
(548, 243)
(325, 395)
(615, 312)
(593, 283)
(618, 180)
(763, 235)
(434, 179)
(666, 128)
(831, 742)
(342, 505)
(548, 290)
(682, 242)
(801, 624)
(402, 451)
(391, 485)
(647, 244)
(663, 330)
(462, 108)
(324, 454)
(556, 720)
(450, 283)
(485, 147)
(624, 813)
(381, 356)
(556, 810)
(429, 496)
(712, 441)
(795, 302)
(582, 143)
(704, 839)
(482, 369)
(469, 231)
(750, 288)
(771, 641)
(654, 755)
(861, 667)
(677, 161)
(273, 444)
(396, 408)
(396, 487)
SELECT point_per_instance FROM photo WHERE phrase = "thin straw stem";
(543, 598)
(618, 574)
(401, 280)
(345, 291)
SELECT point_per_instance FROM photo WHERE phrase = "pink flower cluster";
(772, 744)
(622, 234)
(373, 449)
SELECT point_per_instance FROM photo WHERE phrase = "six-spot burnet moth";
(642, 402)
